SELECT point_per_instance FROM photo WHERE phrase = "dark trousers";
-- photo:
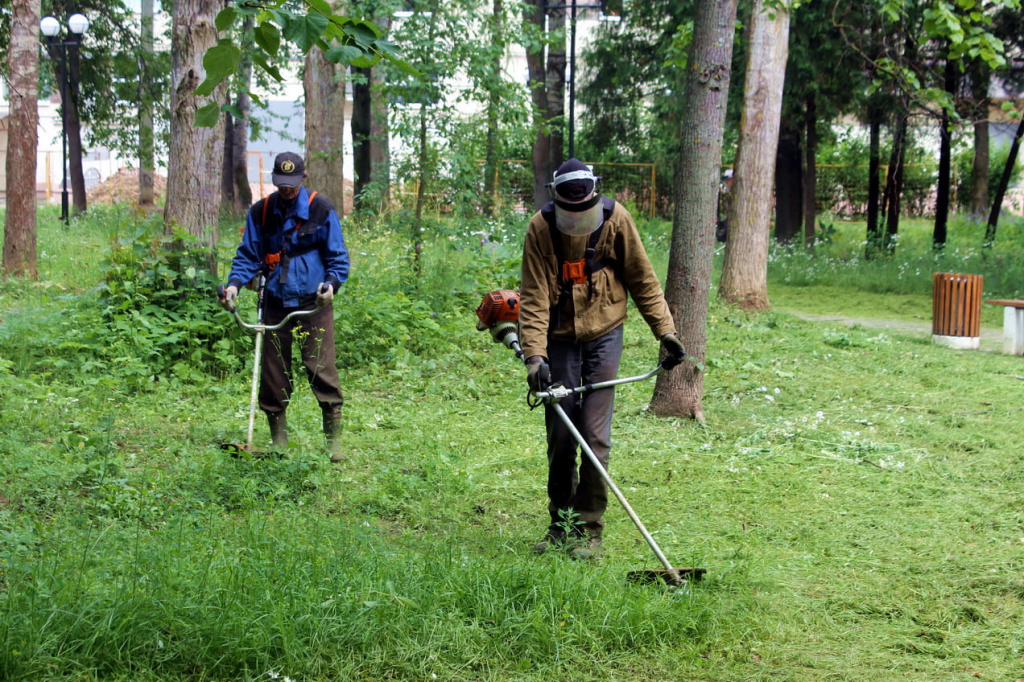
(316, 339)
(581, 490)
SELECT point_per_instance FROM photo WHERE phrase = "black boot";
(278, 430)
(332, 425)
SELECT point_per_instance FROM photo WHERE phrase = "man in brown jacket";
(581, 256)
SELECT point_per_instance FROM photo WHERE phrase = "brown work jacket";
(587, 316)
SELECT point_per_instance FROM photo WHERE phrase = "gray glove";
(230, 296)
(674, 348)
(324, 294)
(538, 373)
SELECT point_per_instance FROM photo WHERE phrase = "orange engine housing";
(498, 306)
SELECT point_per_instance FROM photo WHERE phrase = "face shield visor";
(578, 219)
(576, 215)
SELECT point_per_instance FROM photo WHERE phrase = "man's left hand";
(674, 347)
(324, 294)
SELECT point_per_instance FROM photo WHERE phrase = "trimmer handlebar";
(259, 327)
(556, 393)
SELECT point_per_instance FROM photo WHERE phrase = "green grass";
(854, 497)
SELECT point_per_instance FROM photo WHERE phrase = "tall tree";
(147, 156)
(745, 269)
(1004, 183)
(19, 255)
(544, 32)
(323, 83)
(497, 49)
(945, 157)
(196, 153)
(680, 392)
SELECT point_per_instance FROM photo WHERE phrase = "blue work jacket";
(302, 253)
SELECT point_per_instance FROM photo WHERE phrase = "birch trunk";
(195, 154)
(19, 255)
(745, 270)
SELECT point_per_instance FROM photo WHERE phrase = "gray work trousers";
(581, 490)
(316, 340)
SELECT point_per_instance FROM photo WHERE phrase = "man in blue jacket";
(295, 238)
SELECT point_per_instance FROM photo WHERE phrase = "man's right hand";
(538, 373)
(229, 298)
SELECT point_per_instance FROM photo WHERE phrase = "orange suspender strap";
(272, 259)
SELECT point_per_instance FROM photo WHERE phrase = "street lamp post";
(50, 27)
(573, 7)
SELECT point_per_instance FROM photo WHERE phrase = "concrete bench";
(1013, 325)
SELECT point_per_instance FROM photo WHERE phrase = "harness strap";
(284, 256)
(571, 273)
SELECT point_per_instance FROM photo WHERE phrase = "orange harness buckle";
(574, 271)
(272, 259)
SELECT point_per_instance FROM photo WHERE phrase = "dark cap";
(289, 170)
(574, 180)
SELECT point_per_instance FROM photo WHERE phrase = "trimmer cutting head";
(662, 575)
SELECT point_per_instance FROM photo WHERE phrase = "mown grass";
(854, 497)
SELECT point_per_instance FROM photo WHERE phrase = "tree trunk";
(362, 112)
(147, 154)
(74, 120)
(19, 254)
(894, 184)
(1004, 182)
(945, 164)
(227, 166)
(556, 91)
(695, 194)
(788, 184)
(745, 270)
(240, 139)
(493, 103)
(380, 127)
(194, 155)
(324, 87)
(874, 232)
(541, 153)
(810, 192)
(979, 167)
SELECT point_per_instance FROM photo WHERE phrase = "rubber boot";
(332, 425)
(278, 430)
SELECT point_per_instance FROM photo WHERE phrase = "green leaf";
(304, 31)
(268, 37)
(320, 6)
(361, 31)
(269, 68)
(207, 116)
(343, 54)
(221, 59)
(365, 62)
(225, 19)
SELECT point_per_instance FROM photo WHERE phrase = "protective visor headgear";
(577, 213)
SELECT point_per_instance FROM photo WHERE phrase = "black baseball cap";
(289, 170)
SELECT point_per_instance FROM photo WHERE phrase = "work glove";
(227, 301)
(324, 294)
(674, 348)
(538, 373)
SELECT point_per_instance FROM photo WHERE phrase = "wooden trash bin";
(956, 310)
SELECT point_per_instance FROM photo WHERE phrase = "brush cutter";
(497, 317)
(258, 329)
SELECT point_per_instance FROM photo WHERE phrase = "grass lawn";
(855, 497)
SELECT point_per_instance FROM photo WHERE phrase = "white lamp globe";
(78, 23)
(49, 26)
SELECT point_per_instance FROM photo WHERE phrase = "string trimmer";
(499, 313)
(258, 329)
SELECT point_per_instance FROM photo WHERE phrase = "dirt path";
(991, 338)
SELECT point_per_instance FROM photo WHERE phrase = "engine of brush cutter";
(498, 312)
